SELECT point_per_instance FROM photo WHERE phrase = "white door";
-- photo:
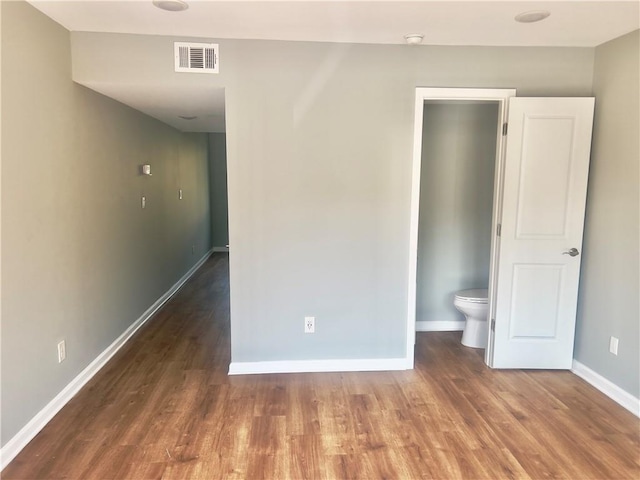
(545, 183)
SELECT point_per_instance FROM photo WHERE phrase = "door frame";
(423, 94)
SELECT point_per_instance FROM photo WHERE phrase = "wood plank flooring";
(165, 408)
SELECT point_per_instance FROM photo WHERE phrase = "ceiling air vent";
(196, 57)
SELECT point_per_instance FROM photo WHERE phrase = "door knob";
(573, 252)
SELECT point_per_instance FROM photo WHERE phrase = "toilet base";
(475, 333)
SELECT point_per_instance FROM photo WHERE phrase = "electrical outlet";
(143, 202)
(62, 351)
(309, 324)
(180, 194)
(613, 345)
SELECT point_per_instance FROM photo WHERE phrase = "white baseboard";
(308, 366)
(610, 389)
(38, 422)
(220, 249)
(440, 326)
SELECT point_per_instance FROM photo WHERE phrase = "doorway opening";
(460, 175)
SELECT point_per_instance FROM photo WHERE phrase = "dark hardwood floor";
(164, 407)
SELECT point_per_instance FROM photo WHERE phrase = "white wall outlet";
(309, 324)
(613, 345)
(180, 194)
(143, 202)
(62, 351)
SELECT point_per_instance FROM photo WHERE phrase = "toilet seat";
(475, 295)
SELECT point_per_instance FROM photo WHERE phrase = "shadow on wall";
(218, 186)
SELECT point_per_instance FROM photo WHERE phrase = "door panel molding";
(545, 185)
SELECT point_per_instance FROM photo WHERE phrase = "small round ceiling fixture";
(532, 16)
(171, 5)
(413, 38)
(188, 117)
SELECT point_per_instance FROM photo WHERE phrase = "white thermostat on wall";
(146, 169)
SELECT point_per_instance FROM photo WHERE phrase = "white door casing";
(500, 96)
(543, 205)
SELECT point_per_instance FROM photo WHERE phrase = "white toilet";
(474, 305)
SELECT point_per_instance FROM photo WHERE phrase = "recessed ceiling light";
(188, 117)
(171, 5)
(532, 16)
(414, 38)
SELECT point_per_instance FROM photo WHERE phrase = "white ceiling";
(572, 23)
(167, 104)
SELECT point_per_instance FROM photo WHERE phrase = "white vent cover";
(196, 57)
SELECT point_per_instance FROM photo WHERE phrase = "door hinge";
(493, 324)
(504, 128)
(499, 229)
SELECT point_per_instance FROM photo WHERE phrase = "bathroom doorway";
(456, 207)
(451, 112)
(539, 195)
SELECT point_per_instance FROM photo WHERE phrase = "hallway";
(164, 407)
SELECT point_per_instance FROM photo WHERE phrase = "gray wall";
(456, 201)
(608, 304)
(81, 260)
(319, 149)
(218, 186)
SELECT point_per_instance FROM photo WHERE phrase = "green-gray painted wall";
(610, 285)
(218, 187)
(81, 260)
(319, 159)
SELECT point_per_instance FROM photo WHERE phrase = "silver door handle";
(573, 252)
